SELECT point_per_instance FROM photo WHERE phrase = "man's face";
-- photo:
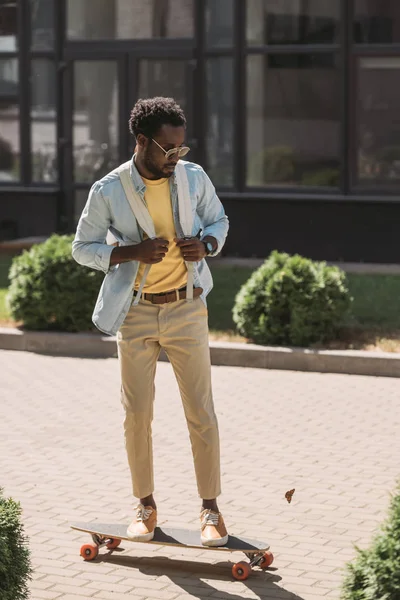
(153, 157)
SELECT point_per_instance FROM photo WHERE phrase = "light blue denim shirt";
(107, 209)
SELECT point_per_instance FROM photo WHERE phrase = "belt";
(172, 296)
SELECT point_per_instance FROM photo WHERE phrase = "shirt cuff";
(103, 256)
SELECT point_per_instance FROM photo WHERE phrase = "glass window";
(219, 131)
(80, 200)
(43, 121)
(129, 19)
(167, 78)
(9, 121)
(377, 21)
(42, 23)
(163, 78)
(292, 120)
(8, 26)
(95, 119)
(219, 23)
(292, 21)
(378, 123)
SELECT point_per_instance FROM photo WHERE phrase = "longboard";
(111, 535)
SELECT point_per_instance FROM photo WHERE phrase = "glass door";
(99, 95)
(171, 77)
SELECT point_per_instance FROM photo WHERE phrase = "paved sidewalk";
(332, 437)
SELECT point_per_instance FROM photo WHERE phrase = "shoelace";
(210, 518)
(142, 513)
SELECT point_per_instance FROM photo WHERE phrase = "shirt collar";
(138, 181)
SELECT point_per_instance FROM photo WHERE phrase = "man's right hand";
(151, 251)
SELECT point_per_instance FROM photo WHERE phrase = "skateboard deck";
(111, 535)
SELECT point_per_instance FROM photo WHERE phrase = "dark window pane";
(43, 115)
(8, 26)
(377, 21)
(80, 200)
(42, 20)
(129, 19)
(292, 120)
(163, 78)
(378, 121)
(9, 121)
(292, 22)
(168, 78)
(219, 23)
(219, 132)
(95, 119)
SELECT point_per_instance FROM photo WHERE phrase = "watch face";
(209, 247)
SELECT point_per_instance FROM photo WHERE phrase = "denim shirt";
(108, 210)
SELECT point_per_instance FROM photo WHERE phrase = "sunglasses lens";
(179, 151)
(183, 151)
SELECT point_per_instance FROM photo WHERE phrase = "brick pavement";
(332, 437)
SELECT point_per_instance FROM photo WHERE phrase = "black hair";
(147, 116)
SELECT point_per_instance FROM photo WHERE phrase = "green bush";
(15, 565)
(323, 177)
(49, 290)
(291, 300)
(375, 573)
(272, 165)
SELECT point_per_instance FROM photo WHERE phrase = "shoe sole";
(215, 542)
(143, 537)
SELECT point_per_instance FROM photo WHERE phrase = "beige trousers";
(181, 329)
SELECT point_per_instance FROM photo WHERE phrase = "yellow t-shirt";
(171, 272)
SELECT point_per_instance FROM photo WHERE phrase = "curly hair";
(147, 116)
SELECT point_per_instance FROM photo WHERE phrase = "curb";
(94, 345)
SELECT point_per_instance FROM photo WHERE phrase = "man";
(165, 316)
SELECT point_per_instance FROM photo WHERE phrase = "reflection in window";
(42, 23)
(292, 21)
(219, 23)
(219, 132)
(378, 121)
(129, 19)
(163, 78)
(95, 119)
(166, 78)
(377, 21)
(43, 115)
(80, 200)
(8, 26)
(9, 121)
(292, 120)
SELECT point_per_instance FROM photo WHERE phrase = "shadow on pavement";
(189, 575)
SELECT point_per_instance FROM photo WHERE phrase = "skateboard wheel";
(113, 543)
(241, 570)
(89, 551)
(267, 560)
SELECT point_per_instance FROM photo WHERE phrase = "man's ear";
(141, 140)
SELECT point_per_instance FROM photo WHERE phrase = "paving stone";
(62, 456)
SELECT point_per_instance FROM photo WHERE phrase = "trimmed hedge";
(375, 572)
(15, 565)
(291, 300)
(50, 290)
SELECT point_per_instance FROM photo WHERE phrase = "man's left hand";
(192, 249)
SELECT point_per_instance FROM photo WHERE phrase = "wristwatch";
(209, 247)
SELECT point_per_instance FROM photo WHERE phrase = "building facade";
(292, 109)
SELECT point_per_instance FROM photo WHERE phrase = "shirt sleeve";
(89, 247)
(212, 214)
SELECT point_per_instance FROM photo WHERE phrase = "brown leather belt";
(167, 297)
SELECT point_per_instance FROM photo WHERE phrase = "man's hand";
(151, 251)
(192, 249)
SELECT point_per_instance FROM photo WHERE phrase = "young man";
(165, 316)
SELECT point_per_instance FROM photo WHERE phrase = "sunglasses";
(181, 151)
